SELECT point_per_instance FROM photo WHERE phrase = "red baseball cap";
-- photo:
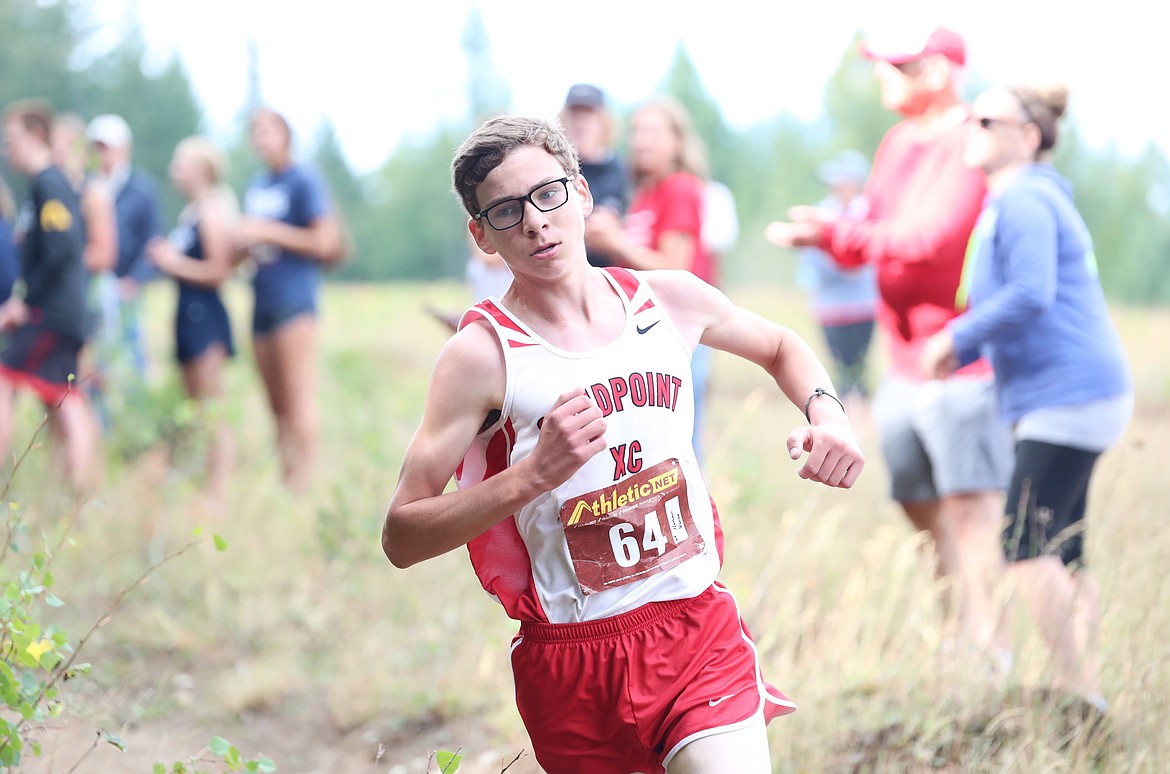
(902, 47)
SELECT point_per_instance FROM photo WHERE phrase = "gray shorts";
(941, 438)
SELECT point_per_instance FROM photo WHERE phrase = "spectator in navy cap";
(592, 129)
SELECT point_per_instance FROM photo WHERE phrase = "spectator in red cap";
(948, 455)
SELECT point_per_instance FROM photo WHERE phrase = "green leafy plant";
(448, 761)
(139, 415)
(226, 757)
(36, 657)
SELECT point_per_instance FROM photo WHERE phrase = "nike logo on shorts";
(648, 327)
(720, 700)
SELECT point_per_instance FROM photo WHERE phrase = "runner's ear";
(479, 236)
(582, 186)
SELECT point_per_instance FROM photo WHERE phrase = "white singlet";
(636, 523)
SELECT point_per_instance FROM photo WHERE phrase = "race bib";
(629, 531)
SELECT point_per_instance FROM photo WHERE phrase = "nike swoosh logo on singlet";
(648, 327)
(717, 702)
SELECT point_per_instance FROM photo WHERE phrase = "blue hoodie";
(1035, 304)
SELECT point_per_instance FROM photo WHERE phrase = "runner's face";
(542, 241)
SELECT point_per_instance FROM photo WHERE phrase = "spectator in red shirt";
(948, 454)
(663, 227)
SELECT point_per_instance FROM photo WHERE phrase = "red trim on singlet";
(718, 528)
(469, 316)
(500, 558)
(625, 280)
(500, 317)
(485, 308)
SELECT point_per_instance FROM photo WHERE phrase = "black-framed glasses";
(546, 197)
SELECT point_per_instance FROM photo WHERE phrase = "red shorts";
(627, 693)
(41, 359)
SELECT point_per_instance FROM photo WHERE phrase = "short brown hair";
(490, 144)
(34, 114)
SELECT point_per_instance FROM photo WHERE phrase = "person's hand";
(249, 231)
(603, 230)
(939, 358)
(805, 213)
(793, 234)
(13, 314)
(571, 433)
(162, 253)
(834, 458)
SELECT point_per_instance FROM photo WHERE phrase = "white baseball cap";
(109, 130)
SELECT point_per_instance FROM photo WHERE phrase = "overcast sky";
(381, 73)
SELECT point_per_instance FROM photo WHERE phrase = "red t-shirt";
(674, 204)
(923, 203)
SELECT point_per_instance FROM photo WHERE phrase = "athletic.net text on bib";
(630, 530)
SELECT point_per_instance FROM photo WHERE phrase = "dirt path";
(297, 747)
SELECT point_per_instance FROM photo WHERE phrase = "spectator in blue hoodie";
(1035, 308)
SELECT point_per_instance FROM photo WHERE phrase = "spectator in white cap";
(948, 455)
(138, 214)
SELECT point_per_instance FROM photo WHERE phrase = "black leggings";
(1046, 502)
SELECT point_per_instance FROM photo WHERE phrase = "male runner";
(565, 411)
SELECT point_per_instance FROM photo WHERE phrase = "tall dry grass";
(300, 641)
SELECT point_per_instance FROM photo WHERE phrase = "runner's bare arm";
(706, 315)
(423, 520)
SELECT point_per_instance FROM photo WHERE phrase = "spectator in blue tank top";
(199, 255)
(289, 230)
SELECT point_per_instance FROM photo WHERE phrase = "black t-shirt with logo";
(51, 244)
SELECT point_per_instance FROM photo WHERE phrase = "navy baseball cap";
(585, 95)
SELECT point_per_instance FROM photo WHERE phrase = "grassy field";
(300, 641)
